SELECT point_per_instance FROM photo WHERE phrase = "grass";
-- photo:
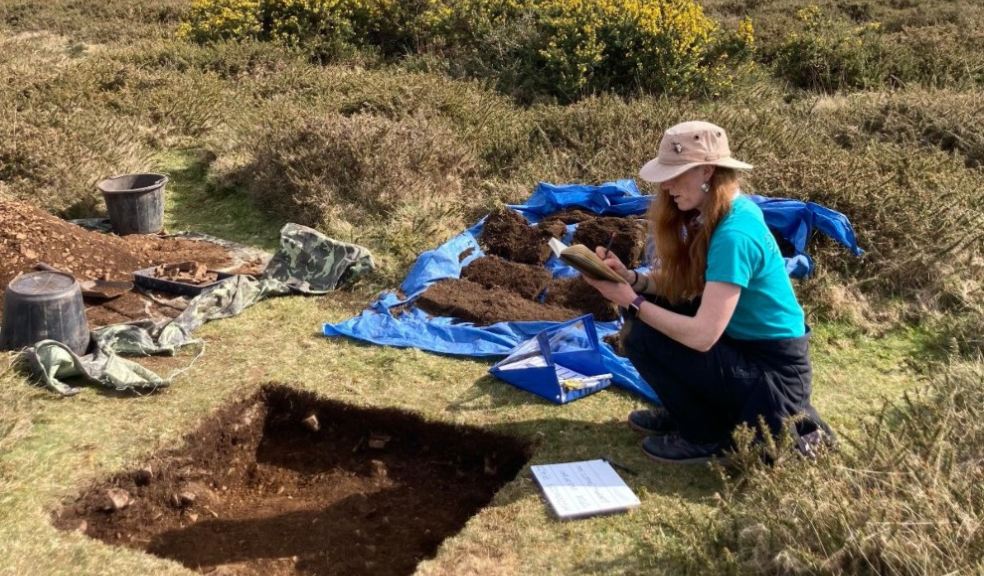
(190, 206)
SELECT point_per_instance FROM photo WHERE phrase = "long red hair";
(682, 238)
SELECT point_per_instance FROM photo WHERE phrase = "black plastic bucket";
(44, 306)
(135, 202)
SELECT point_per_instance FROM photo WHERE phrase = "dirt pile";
(576, 294)
(629, 241)
(475, 303)
(29, 235)
(511, 283)
(507, 234)
(284, 483)
(494, 272)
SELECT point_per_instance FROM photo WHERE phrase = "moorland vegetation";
(395, 124)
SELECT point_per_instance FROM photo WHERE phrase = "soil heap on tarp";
(475, 303)
(570, 216)
(508, 235)
(507, 285)
(494, 272)
(284, 483)
(629, 241)
(29, 235)
(576, 294)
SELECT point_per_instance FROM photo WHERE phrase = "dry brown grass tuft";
(396, 184)
(902, 496)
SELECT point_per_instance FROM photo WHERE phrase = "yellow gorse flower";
(576, 46)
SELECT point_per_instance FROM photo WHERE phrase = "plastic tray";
(146, 279)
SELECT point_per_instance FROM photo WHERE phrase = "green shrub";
(830, 55)
(561, 48)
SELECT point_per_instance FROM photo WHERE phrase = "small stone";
(379, 469)
(193, 517)
(378, 441)
(116, 499)
(311, 423)
(183, 499)
(82, 527)
(143, 476)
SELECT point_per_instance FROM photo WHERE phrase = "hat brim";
(654, 171)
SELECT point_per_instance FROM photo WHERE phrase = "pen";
(618, 466)
(608, 248)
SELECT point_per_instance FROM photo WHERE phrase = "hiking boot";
(675, 449)
(655, 421)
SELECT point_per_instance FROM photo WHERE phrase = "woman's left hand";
(621, 294)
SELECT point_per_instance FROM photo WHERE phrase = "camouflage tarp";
(307, 262)
(53, 362)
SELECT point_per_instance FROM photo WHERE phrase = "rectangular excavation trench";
(287, 483)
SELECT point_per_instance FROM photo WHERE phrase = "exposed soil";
(475, 303)
(507, 234)
(494, 272)
(576, 294)
(572, 216)
(29, 235)
(629, 241)
(284, 483)
(504, 286)
(196, 273)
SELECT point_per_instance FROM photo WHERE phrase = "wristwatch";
(637, 302)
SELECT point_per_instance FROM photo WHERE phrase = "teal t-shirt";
(743, 252)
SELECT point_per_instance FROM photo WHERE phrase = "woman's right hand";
(612, 261)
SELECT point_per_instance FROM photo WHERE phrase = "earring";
(705, 187)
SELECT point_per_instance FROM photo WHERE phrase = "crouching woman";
(715, 328)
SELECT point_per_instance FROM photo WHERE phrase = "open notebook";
(584, 260)
(581, 489)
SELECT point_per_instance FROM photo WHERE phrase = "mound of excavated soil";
(494, 272)
(284, 483)
(475, 303)
(576, 294)
(571, 216)
(508, 235)
(29, 235)
(630, 236)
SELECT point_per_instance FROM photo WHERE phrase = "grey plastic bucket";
(135, 202)
(44, 306)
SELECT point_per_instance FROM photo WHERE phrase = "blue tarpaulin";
(412, 327)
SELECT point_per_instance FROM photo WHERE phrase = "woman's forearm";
(686, 330)
(700, 332)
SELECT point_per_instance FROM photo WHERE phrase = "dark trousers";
(736, 381)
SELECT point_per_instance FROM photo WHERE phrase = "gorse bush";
(561, 48)
(830, 54)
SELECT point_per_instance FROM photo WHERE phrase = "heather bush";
(398, 186)
(902, 496)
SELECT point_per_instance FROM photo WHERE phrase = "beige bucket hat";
(690, 144)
